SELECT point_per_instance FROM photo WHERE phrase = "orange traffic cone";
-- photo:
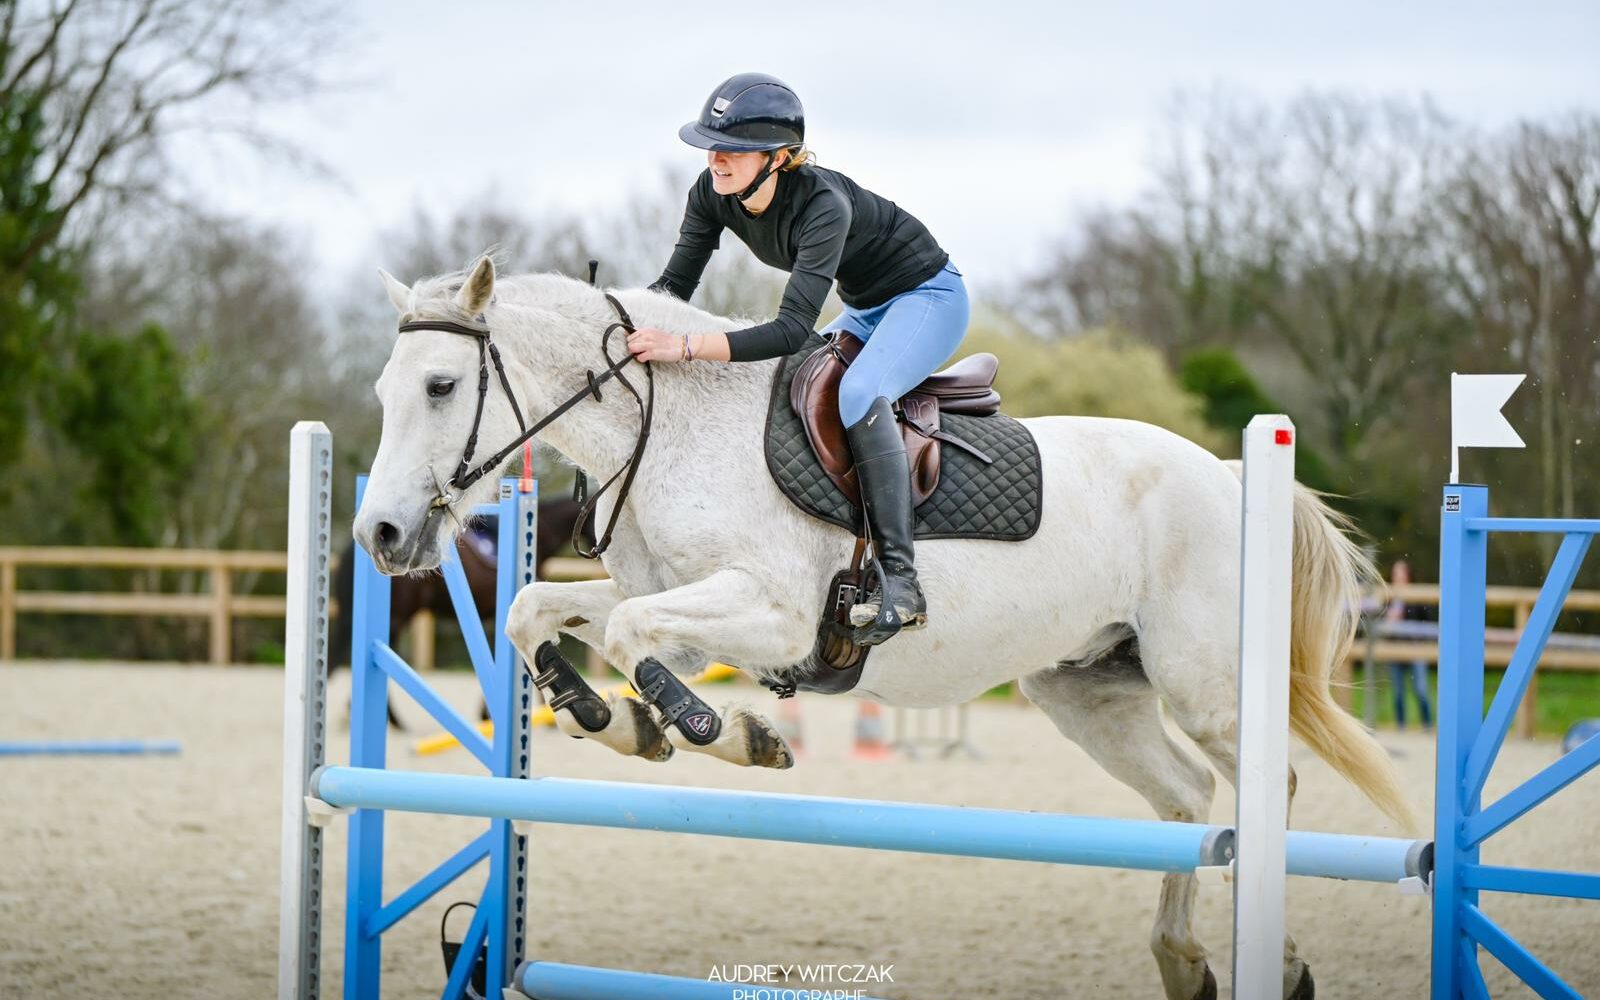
(789, 724)
(870, 743)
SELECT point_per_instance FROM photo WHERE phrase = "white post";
(1264, 604)
(305, 682)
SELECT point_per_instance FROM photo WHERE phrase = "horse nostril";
(388, 536)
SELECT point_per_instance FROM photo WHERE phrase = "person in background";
(1399, 610)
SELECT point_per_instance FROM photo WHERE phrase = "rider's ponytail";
(799, 156)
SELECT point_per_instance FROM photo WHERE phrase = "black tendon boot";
(565, 688)
(885, 478)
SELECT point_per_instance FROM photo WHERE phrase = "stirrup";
(877, 621)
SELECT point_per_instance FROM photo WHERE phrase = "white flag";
(1475, 417)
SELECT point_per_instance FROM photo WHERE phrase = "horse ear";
(478, 289)
(399, 294)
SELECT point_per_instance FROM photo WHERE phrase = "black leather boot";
(885, 478)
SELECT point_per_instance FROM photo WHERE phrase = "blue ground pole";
(99, 748)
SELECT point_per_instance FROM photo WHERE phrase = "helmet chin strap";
(761, 178)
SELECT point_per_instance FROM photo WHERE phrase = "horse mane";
(585, 305)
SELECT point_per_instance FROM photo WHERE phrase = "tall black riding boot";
(885, 477)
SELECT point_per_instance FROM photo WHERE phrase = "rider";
(902, 296)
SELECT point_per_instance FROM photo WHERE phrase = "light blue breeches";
(907, 339)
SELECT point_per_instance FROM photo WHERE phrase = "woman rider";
(902, 297)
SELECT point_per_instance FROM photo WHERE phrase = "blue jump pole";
(556, 981)
(74, 748)
(1355, 858)
(891, 826)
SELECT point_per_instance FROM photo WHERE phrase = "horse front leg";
(538, 616)
(729, 615)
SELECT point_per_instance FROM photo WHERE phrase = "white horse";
(1128, 594)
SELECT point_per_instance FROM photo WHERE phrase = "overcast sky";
(993, 122)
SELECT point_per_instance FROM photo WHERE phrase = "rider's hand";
(648, 343)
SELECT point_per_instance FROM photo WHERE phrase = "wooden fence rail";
(1498, 646)
(219, 603)
(423, 627)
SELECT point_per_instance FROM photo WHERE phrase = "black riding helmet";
(749, 113)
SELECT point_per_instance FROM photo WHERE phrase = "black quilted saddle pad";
(1001, 501)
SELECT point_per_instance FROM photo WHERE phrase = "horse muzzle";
(395, 547)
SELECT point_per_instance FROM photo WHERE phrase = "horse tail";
(1328, 576)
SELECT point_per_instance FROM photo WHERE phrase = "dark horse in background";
(427, 592)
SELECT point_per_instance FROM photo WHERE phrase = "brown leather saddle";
(965, 387)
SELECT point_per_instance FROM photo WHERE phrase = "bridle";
(451, 490)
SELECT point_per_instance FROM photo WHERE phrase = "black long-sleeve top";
(820, 226)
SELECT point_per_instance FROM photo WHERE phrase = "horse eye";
(441, 387)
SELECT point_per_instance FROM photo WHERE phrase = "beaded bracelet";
(688, 352)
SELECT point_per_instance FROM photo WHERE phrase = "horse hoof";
(649, 739)
(764, 745)
(658, 752)
(1208, 988)
(1305, 989)
(653, 743)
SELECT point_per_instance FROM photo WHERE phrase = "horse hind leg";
(1221, 748)
(1108, 707)
(1193, 663)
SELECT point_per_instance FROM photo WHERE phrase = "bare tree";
(1305, 233)
(1525, 260)
(120, 78)
(631, 242)
(1117, 269)
(636, 239)
(237, 303)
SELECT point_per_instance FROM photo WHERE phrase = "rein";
(467, 474)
